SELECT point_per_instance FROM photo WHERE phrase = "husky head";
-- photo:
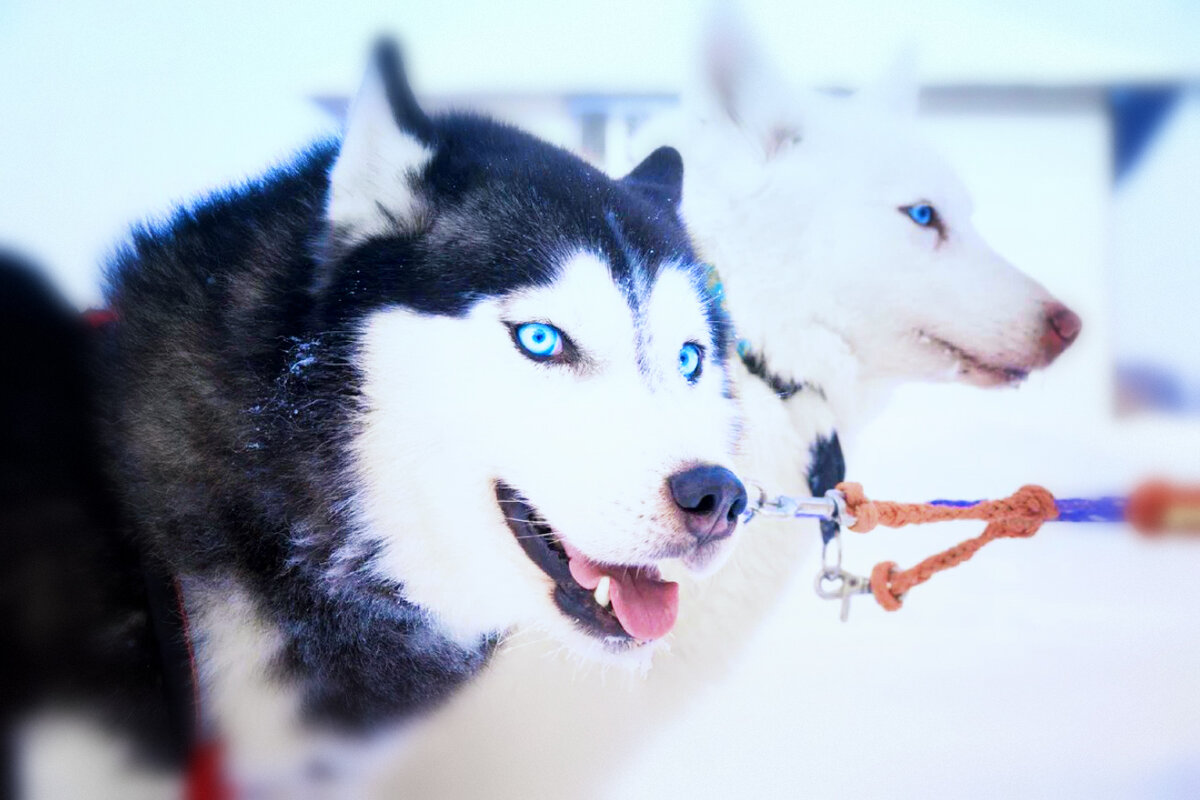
(832, 214)
(544, 412)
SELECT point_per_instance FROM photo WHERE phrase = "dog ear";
(744, 85)
(898, 89)
(659, 177)
(387, 141)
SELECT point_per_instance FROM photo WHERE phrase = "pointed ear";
(744, 85)
(898, 89)
(387, 142)
(659, 177)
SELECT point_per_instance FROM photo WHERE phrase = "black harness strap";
(169, 621)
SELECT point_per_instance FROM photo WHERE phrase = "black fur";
(407, 113)
(230, 390)
(785, 388)
(76, 629)
(826, 464)
(660, 176)
(826, 469)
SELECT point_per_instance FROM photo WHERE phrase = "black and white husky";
(430, 384)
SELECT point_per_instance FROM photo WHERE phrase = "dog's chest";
(319, 694)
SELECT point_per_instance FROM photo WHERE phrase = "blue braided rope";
(1070, 509)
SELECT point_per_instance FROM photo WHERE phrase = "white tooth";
(602, 588)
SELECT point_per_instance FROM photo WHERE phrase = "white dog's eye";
(691, 359)
(921, 214)
(926, 216)
(539, 340)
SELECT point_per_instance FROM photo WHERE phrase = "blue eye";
(539, 340)
(690, 357)
(922, 213)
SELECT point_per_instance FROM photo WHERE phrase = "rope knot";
(1019, 515)
(881, 586)
(864, 511)
(1029, 507)
(1038, 501)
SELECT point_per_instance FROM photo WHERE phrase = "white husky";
(850, 265)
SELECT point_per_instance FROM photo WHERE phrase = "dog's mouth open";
(620, 604)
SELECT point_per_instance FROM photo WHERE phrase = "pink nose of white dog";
(1062, 328)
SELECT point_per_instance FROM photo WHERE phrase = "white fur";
(590, 448)
(449, 406)
(794, 198)
(371, 184)
(62, 754)
(268, 752)
(254, 714)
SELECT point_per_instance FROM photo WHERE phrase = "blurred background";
(1065, 666)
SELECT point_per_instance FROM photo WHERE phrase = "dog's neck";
(786, 338)
(832, 372)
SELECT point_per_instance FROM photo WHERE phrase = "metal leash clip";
(841, 515)
(831, 506)
(778, 506)
(844, 586)
(833, 582)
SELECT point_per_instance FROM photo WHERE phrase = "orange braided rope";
(1020, 515)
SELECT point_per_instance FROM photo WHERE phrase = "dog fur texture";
(838, 295)
(316, 386)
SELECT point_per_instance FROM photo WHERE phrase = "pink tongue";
(645, 606)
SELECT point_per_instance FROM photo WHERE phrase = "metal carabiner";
(840, 513)
(847, 585)
(764, 504)
(831, 506)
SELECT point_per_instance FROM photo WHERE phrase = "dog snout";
(1062, 328)
(711, 499)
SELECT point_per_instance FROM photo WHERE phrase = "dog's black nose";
(711, 499)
